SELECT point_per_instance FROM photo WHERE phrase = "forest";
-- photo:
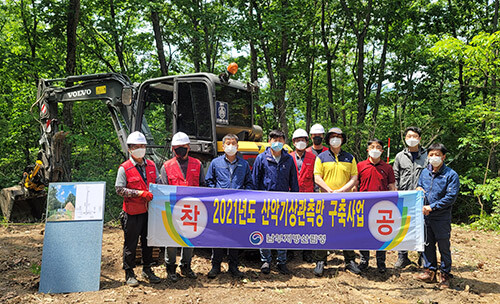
(372, 68)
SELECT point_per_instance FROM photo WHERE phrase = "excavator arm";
(26, 201)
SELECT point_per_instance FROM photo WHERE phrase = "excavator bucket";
(21, 205)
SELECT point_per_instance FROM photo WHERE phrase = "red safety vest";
(310, 149)
(175, 176)
(137, 205)
(306, 174)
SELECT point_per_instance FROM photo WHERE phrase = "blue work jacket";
(269, 175)
(219, 174)
(441, 191)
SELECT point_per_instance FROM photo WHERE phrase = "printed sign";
(222, 110)
(206, 217)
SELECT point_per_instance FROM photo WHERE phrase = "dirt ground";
(476, 267)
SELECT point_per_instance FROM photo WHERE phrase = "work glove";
(148, 196)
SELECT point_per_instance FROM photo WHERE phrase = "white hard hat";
(317, 129)
(180, 138)
(299, 133)
(136, 138)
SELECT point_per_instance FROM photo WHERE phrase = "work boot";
(307, 256)
(265, 268)
(318, 270)
(381, 268)
(188, 272)
(130, 279)
(428, 276)
(402, 262)
(212, 274)
(149, 275)
(283, 269)
(235, 272)
(444, 282)
(352, 267)
(171, 273)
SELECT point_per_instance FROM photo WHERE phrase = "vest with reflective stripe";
(137, 205)
(175, 176)
(306, 174)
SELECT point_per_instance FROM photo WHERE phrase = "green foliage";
(441, 73)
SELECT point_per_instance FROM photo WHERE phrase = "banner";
(226, 218)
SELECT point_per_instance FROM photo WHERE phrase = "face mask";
(317, 140)
(374, 153)
(335, 142)
(277, 146)
(412, 142)
(138, 153)
(301, 145)
(435, 161)
(230, 150)
(181, 152)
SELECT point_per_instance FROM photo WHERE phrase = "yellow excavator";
(203, 105)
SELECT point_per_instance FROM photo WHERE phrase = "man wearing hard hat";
(304, 162)
(335, 170)
(317, 133)
(132, 183)
(181, 170)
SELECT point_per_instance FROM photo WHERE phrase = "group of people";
(306, 169)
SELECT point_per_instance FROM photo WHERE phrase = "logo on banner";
(256, 238)
(189, 217)
(387, 224)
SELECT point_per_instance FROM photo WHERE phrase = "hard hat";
(336, 131)
(180, 138)
(317, 129)
(136, 138)
(299, 133)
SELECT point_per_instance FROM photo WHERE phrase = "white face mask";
(412, 142)
(435, 161)
(300, 145)
(138, 153)
(374, 153)
(230, 150)
(335, 142)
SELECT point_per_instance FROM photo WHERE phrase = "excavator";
(203, 105)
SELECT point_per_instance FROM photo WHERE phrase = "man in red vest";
(181, 170)
(132, 183)
(317, 133)
(304, 162)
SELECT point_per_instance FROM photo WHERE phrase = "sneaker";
(188, 272)
(320, 267)
(149, 275)
(444, 282)
(265, 268)
(363, 265)
(236, 273)
(428, 276)
(283, 269)
(130, 278)
(352, 267)
(212, 274)
(402, 262)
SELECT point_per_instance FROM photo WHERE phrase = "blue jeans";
(437, 231)
(265, 256)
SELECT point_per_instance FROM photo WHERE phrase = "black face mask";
(317, 140)
(181, 152)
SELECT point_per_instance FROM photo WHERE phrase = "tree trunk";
(381, 75)
(72, 25)
(155, 20)
(116, 39)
